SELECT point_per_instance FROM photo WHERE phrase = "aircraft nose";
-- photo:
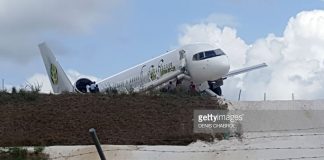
(221, 66)
(224, 63)
(208, 69)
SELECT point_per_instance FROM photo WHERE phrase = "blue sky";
(145, 29)
(129, 32)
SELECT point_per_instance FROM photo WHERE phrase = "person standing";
(93, 87)
(97, 88)
(192, 88)
(88, 88)
(171, 87)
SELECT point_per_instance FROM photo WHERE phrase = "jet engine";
(81, 85)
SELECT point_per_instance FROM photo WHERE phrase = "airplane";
(200, 63)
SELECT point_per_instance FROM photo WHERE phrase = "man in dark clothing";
(192, 88)
(97, 88)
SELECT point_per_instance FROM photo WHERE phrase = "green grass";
(22, 95)
(21, 153)
(31, 93)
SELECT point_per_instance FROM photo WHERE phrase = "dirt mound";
(124, 119)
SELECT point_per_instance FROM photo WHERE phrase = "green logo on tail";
(54, 76)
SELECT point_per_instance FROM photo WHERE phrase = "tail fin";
(59, 80)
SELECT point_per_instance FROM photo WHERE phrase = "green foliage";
(21, 153)
(36, 88)
(131, 90)
(28, 94)
(111, 91)
(3, 91)
(4, 97)
(18, 152)
(39, 149)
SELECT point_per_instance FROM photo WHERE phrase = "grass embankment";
(32, 119)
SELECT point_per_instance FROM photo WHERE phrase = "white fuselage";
(207, 67)
(202, 64)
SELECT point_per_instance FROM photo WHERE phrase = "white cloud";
(43, 80)
(24, 24)
(225, 38)
(296, 60)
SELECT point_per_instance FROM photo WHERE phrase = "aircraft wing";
(246, 69)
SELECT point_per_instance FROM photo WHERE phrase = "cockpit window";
(207, 54)
(201, 55)
(219, 52)
(210, 54)
(195, 57)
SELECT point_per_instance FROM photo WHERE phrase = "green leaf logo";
(54, 76)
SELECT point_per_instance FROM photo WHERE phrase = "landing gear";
(218, 91)
(215, 87)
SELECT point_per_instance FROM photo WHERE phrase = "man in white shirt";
(171, 87)
(88, 88)
(93, 87)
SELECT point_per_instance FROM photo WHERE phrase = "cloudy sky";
(101, 37)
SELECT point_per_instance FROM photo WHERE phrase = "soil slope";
(36, 119)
